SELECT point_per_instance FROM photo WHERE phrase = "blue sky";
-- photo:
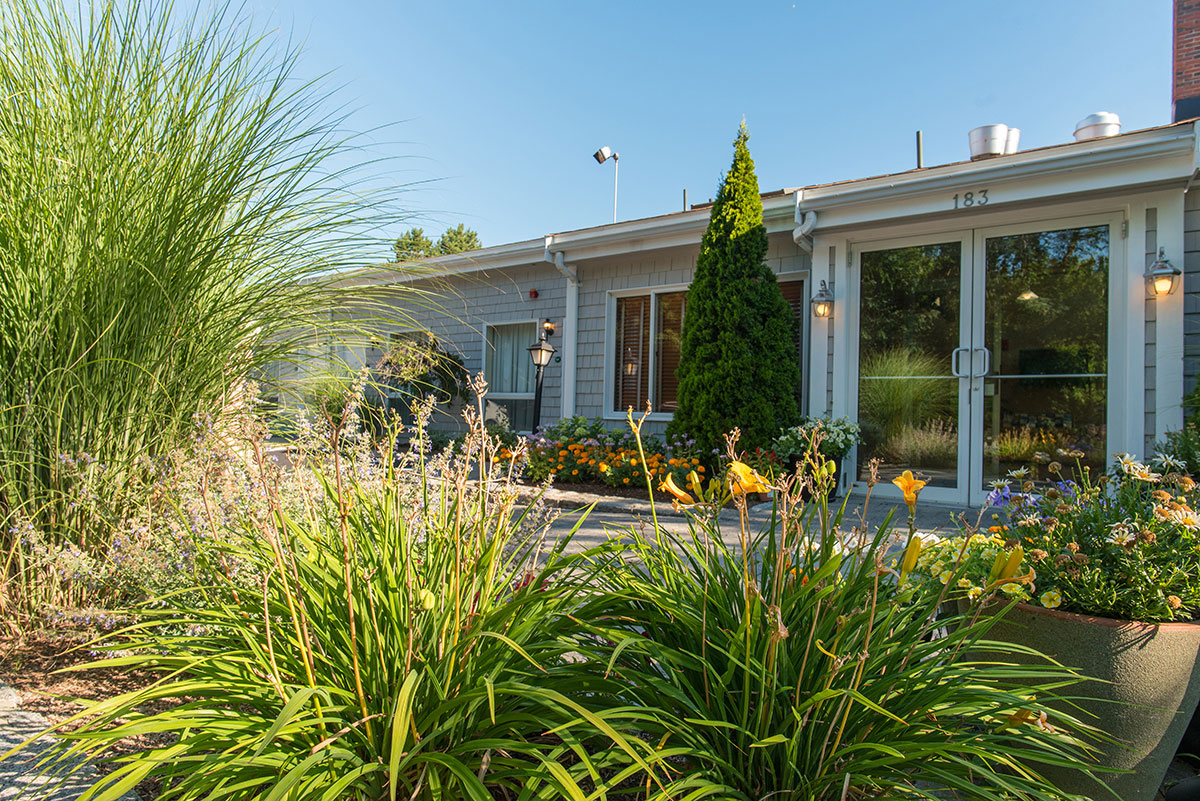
(493, 109)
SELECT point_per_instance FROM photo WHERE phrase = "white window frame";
(483, 354)
(610, 346)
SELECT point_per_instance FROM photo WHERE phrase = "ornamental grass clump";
(174, 208)
(799, 664)
(1125, 545)
(414, 640)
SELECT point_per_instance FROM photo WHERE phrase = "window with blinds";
(668, 331)
(633, 363)
(649, 330)
(507, 366)
(647, 351)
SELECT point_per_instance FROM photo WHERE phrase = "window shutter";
(796, 296)
(632, 378)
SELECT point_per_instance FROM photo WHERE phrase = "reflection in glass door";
(1045, 348)
(910, 327)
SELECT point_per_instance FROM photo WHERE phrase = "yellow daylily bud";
(1014, 561)
(997, 566)
(744, 479)
(910, 556)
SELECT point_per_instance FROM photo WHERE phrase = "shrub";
(799, 665)
(738, 365)
(409, 641)
(328, 396)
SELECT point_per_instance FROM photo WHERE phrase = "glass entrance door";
(912, 393)
(1043, 395)
(983, 353)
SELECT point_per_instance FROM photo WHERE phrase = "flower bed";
(581, 451)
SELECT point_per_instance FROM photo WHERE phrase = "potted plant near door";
(1106, 576)
(833, 438)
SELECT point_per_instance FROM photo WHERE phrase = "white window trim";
(483, 352)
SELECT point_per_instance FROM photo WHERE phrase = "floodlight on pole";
(602, 155)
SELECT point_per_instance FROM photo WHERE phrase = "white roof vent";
(1094, 126)
(993, 140)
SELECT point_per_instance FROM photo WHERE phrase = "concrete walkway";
(19, 774)
(612, 514)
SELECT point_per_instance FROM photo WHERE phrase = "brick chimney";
(1185, 90)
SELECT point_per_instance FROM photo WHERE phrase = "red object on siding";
(533, 293)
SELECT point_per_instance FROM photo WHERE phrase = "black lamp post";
(541, 352)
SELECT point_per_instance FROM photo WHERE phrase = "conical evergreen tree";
(738, 365)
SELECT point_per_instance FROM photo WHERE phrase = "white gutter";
(570, 326)
(1195, 159)
(805, 223)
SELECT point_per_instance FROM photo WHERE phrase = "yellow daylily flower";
(910, 485)
(680, 495)
(745, 479)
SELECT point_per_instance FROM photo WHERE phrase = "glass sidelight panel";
(908, 395)
(1045, 333)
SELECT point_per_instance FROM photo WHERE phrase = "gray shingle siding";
(1191, 288)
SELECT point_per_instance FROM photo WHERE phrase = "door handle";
(954, 354)
(987, 362)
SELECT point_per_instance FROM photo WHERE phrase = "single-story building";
(982, 311)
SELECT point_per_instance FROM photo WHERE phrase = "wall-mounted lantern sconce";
(548, 327)
(1162, 277)
(822, 302)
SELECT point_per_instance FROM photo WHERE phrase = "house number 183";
(968, 199)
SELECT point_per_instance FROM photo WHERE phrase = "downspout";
(805, 223)
(570, 326)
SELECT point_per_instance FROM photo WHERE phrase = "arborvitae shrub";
(738, 366)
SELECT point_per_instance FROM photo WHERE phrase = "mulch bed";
(29, 665)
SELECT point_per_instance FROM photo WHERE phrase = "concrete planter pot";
(1152, 676)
